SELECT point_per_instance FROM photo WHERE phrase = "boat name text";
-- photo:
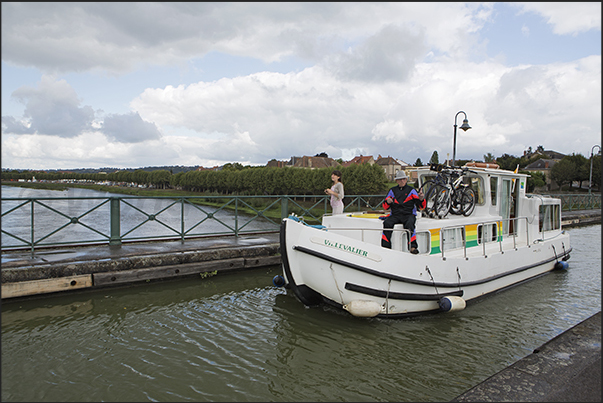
(347, 248)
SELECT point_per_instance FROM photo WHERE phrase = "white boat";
(509, 238)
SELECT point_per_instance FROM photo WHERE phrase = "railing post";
(182, 219)
(115, 222)
(32, 230)
(284, 207)
(236, 216)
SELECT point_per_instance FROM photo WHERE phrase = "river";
(235, 337)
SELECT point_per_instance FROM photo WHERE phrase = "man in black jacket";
(403, 200)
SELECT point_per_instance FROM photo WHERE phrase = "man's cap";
(401, 175)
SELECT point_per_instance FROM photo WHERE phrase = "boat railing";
(499, 235)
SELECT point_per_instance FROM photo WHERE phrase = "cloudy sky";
(126, 85)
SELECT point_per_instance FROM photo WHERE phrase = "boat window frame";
(493, 236)
(493, 190)
(401, 243)
(549, 217)
(457, 232)
(476, 182)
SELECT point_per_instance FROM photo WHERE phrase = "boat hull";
(323, 266)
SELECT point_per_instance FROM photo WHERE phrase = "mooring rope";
(336, 285)
(432, 280)
(389, 283)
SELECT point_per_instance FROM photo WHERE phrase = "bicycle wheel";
(442, 202)
(429, 191)
(455, 204)
(467, 201)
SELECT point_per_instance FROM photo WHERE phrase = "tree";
(489, 157)
(582, 168)
(434, 158)
(418, 162)
(159, 178)
(596, 172)
(508, 162)
(233, 167)
(322, 154)
(564, 172)
(535, 180)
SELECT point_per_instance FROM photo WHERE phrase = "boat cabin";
(503, 212)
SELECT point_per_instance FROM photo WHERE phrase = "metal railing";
(573, 202)
(30, 223)
(499, 237)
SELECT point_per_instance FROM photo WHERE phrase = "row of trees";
(358, 179)
(235, 178)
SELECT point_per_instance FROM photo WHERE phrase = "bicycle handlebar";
(442, 167)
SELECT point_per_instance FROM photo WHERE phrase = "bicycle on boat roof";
(447, 192)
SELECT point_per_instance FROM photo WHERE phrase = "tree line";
(234, 178)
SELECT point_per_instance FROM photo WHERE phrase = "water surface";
(235, 337)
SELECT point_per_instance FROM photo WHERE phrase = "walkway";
(564, 369)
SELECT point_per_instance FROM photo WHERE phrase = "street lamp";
(465, 126)
(590, 178)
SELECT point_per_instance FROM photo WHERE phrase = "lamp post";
(465, 126)
(590, 178)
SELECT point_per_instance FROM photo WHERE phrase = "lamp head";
(465, 126)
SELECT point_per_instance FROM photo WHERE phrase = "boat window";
(493, 189)
(453, 238)
(549, 217)
(424, 241)
(486, 233)
(477, 184)
(400, 240)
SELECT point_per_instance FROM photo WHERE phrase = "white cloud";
(51, 109)
(315, 111)
(384, 78)
(525, 31)
(129, 128)
(118, 37)
(567, 18)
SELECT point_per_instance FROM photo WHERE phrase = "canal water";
(235, 337)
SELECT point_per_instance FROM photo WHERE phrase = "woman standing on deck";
(336, 193)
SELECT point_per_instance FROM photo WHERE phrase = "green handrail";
(52, 226)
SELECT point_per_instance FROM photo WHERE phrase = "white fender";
(363, 308)
(450, 304)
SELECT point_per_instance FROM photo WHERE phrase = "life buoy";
(483, 165)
